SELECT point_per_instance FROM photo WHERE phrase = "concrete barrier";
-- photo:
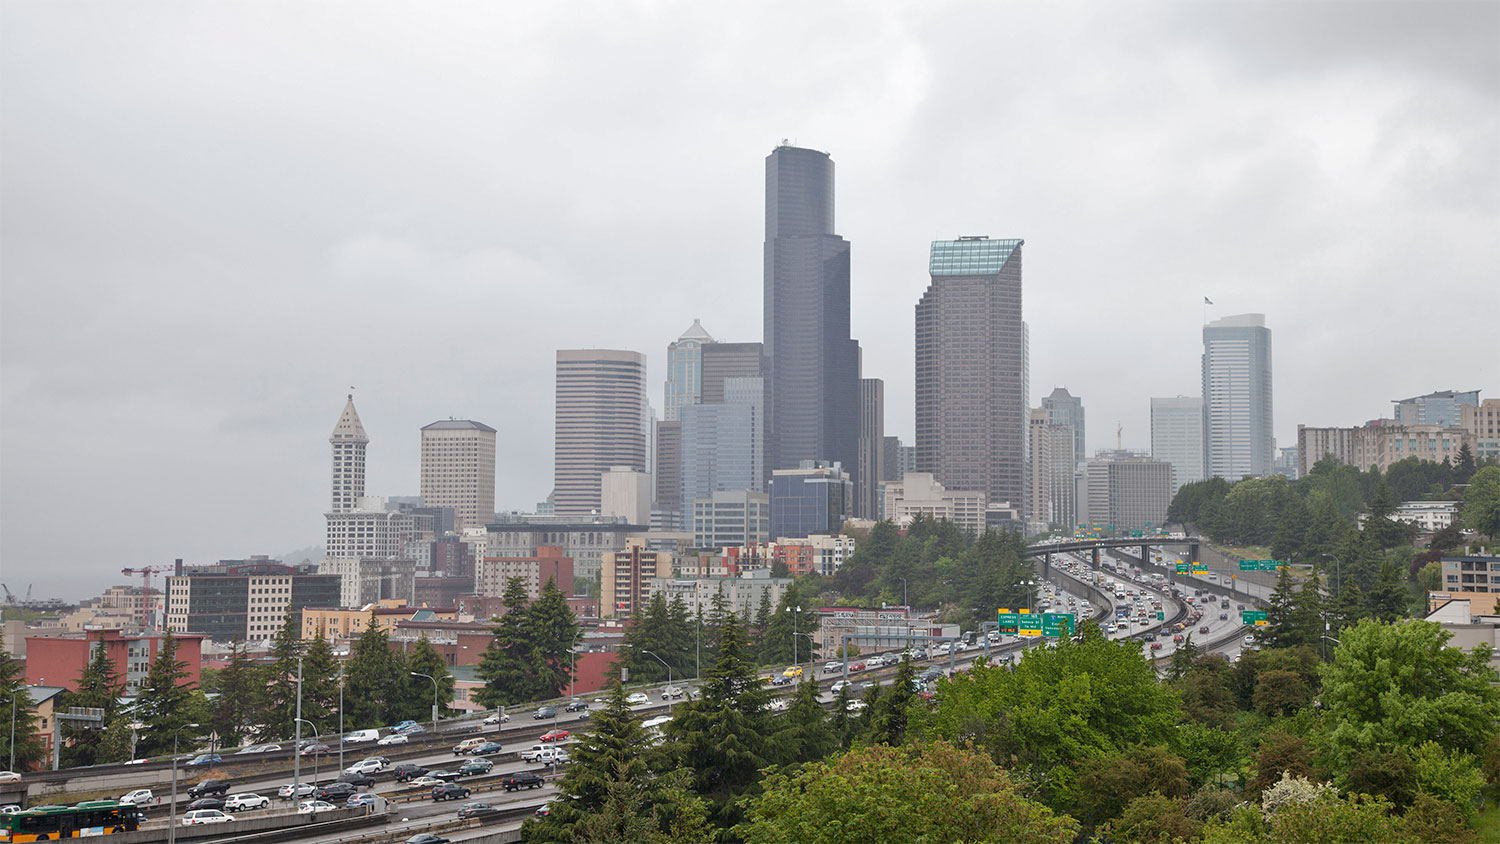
(292, 825)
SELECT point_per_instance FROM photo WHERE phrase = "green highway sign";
(1028, 623)
(1254, 617)
(1135, 534)
(1261, 565)
(1007, 621)
(1161, 615)
(1057, 624)
(1182, 568)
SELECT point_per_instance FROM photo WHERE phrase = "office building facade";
(919, 493)
(870, 471)
(1064, 408)
(813, 498)
(1443, 408)
(970, 369)
(244, 600)
(732, 518)
(600, 413)
(1129, 491)
(810, 360)
(458, 469)
(1177, 437)
(1237, 406)
(723, 444)
(684, 384)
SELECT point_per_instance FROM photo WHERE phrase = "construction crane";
(10, 599)
(145, 573)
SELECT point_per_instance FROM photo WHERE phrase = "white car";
(202, 816)
(10, 809)
(637, 698)
(308, 807)
(301, 789)
(393, 738)
(9, 776)
(839, 686)
(424, 782)
(140, 797)
(496, 718)
(777, 704)
(366, 766)
(236, 802)
(857, 706)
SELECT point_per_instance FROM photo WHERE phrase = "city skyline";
(193, 201)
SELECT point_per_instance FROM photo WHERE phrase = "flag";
(1207, 301)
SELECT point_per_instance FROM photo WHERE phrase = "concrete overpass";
(1045, 550)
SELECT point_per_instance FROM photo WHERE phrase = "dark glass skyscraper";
(971, 369)
(812, 363)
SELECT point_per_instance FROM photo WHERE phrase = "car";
(450, 791)
(495, 718)
(11, 776)
(1249, 640)
(290, 791)
(792, 671)
(468, 745)
(781, 680)
(336, 792)
(1156, 646)
(424, 781)
(832, 667)
(402, 725)
(544, 810)
(1177, 638)
(523, 779)
(366, 799)
(428, 838)
(838, 686)
(856, 706)
(209, 787)
(636, 699)
(407, 770)
(412, 730)
(475, 766)
(777, 704)
(140, 797)
(366, 766)
(856, 666)
(1149, 637)
(393, 738)
(316, 749)
(207, 803)
(544, 712)
(204, 816)
(576, 705)
(671, 692)
(238, 802)
(554, 735)
(357, 780)
(445, 776)
(487, 748)
(477, 810)
(1240, 607)
(205, 759)
(10, 809)
(362, 736)
(308, 807)
(1223, 616)
(1203, 629)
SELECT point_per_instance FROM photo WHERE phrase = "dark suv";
(360, 780)
(207, 787)
(449, 791)
(336, 792)
(524, 779)
(407, 771)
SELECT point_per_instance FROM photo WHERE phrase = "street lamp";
(172, 807)
(434, 696)
(13, 699)
(669, 674)
(903, 593)
(795, 612)
(317, 739)
(811, 640)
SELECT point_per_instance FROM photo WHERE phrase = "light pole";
(903, 594)
(795, 612)
(434, 696)
(811, 640)
(13, 699)
(669, 674)
(172, 806)
(341, 716)
(317, 739)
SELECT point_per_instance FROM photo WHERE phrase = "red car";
(1156, 646)
(1203, 629)
(554, 735)
(856, 666)
(1177, 638)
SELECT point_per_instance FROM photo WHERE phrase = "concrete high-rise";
(1129, 491)
(811, 362)
(728, 360)
(458, 470)
(970, 369)
(1177, 437)
(600, 405)
(870, 470)
(1064, 408)
(1237, 432)
(349, 442)
(684, 371)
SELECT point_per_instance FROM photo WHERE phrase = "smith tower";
(812, 363)
(349, 442)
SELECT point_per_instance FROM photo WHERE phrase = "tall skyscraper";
(1039, 456)
(723, 444)
(349, 442)
(458, 470)
(1177, 437)
(1237, 428)
(685, 371)
(870, 469)
(970, 369)
(600, 405)
(812, 363)
(1064, 408)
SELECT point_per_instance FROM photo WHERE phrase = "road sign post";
(1008, 621)
(1057, 624)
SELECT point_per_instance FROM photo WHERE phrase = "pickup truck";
(545, 754)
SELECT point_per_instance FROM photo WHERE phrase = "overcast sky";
(217, 217)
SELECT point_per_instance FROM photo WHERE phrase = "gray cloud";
(218, 218)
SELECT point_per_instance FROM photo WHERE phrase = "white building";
(1427, 515)
(1237, 406)
(1177, 437)
(626, 493)
(732, 518)
(919, 492)
(458, 470)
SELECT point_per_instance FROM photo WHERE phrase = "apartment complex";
(625, 579)
(244, 600)
(550, 562)
(1380, 445)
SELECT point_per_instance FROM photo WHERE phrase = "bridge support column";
(1145, 554)
(1193, 552)
(1095, 550)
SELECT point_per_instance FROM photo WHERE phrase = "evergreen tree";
(280, 702)
(1387, 601)
(804, 734)
(890, 713)
(1293, 523)
(1279, 630)
(789, 619)
(505, 667)
(1464, 471)
(425, 659)
(720, 737)
(840, 724)
(718, 612)
(99, 687)
(320, 686)
(1348, 607)
(241, 688)
(759, 635)
(1180, 664)
(26, 743)
(166, 703)
(372, 672)
(682, 646)
(650, 630)
(554, 634)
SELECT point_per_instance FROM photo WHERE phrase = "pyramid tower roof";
(349, 427)
(696, 332)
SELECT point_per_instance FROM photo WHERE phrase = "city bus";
(51, 823)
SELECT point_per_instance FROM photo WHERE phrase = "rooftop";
(969, 256)
(458, 425)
